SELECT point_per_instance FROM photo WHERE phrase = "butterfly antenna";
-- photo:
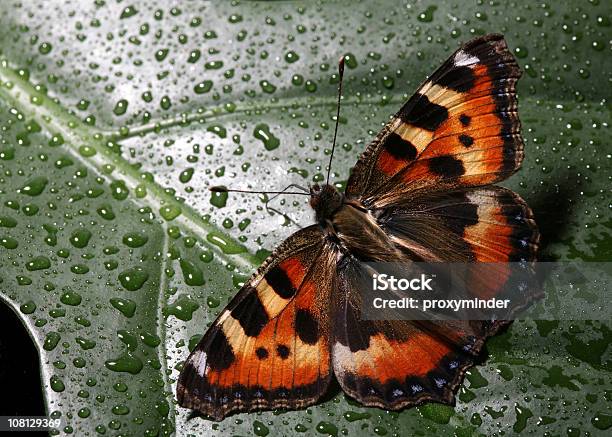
(341, 75)
(222, 189)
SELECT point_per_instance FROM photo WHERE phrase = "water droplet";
(162, 407)
(291, 56)
(80, 238)
(203, 87)
(350, 61)
(127, 338)
(7, 153)
(213, 65)
(521, 52)
(428, 15)
(57, 384)
(34, 186)
(23, 280)
(128, 11)
(192, 274)
(235, 18)
(260, 429)
(7, 222)
(82, 321)
(262, 132)
(267, 87)
(135, 239)
(217, 129)
(182, 308)
(186, 175)
(134, 278)
(8, 242)
(218, 199)
(297, 79)
(85, 343)
(213, 302)
(170, 212)
(45, 48)
(602, 421)
(165, 103)
(327, 428)
(149, 339)
(79, 269)
(476, 379)
(125, 363)
(436, 412)
(119, 190)
(38, 263)
(126, 306)
(56, 140)
(226, 245)
(161, 54)
(310, 86)
(28, 307)
(70, 297)
(352, 416)
(121, 107)
(522, 415)
(51, 341)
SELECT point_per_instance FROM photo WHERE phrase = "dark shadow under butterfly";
(421, 191)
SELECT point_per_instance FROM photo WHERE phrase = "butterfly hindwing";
(459, 129)
(482, 224)
(395, 364)
(268, 349)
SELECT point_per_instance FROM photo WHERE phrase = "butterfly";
(421, 191)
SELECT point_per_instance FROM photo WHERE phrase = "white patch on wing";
(199, 362)
(224, 316)
(342, 358)
(463, 59)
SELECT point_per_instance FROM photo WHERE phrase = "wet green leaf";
(115, 118)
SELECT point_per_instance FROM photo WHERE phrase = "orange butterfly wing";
(460, 129)
(269, 348)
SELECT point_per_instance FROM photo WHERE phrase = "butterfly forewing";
(460, 129)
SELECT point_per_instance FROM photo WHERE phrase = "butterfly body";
(421, 191)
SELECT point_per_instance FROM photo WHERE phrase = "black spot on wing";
(466, 140)
(282, 351)
(280, 282)
(459, 79)
(446, 166)
(399, 148)
(458, 213)
(465, 119)
(262, 353)
(251, 314)
(357, 332)
(420, 112)
(220, 354)
(306, 326)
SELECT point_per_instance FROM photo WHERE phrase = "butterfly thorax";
(325, 200)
